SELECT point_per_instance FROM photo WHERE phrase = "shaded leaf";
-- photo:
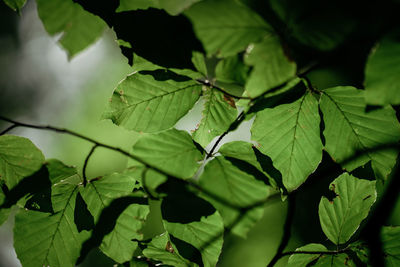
(289, 134)
(4, 213)
(218, 113)
(172, 7)
(232, 70)
(150, 104)
(338, 260)
(341, 217)
(382, 73)
(79, 28)
(42, 239)
(350, 129)
(226, 33)
(391, 245)
(15, 5)
(19, 158)
(161, 249)
(302, 260)
(239, 189)
(172, 151)
(271, 66)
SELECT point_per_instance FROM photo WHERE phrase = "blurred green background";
(39, 85)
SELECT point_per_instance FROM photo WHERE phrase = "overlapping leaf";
(302, 260)
(350, 129)
(171, 151)
(150, 104)
(382, 73)
(219, 112)
(98, 194)
(271, 67)
(341, 217)
(172, 7)
(44, 239)
(223, 32)
(161, 249)
(79, 27)
(19, 158)
(391, 245)
(289, 134)
(238, 190)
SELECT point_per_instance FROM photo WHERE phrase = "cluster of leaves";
(230, 56)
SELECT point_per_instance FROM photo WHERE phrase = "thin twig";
(8, 129)
(209, 84)
(287, 229)
(86, 163)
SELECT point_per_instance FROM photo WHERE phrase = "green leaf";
(226, 33)
(271, 67)
(150, 104)
(98, 194)
(302, 260)
(391, 245)
(218, 113)
(247, 152)
(338, 260)
(199, 62)
(15, 5)
(161, 249)
(4, 213)
(382, 73)
(232, 70)
(172, 151)
(341, 217)
(195, 224)
(349, 129)
(45, 239)
(290, 135)
(172, 7)
(239, 189)
(19, 158)
(79, 28)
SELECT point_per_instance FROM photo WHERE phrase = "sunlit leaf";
(150, 104)
(19, 158)
(226, 27)
(219, 112)
(335, 260)
(289, 134)
(271, 66)
(98, 194)
(302, 260)
(161, 249)
(239, 190)
(341, 217)
(172, 151)
(349, 129)
(382, 73)
(45, 239)
(79, 28)
(172, 7)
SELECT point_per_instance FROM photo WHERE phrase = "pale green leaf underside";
(229, 183)
(341, 217)
(142, 103)
(350, 128)
(79, 27)
(271, 66)
(199, 234)
(391, 245)
(157, 249)
(172, 151)
(289, 134)
(98, 194)
(15, 5)
(382, 73)
(118, 244)
(217, 115)
(172, 7)
(222, 32)
(19, 158)
(44, 239)
(302, 260)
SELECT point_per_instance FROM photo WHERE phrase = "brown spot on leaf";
(169, 247)
(230, 100)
